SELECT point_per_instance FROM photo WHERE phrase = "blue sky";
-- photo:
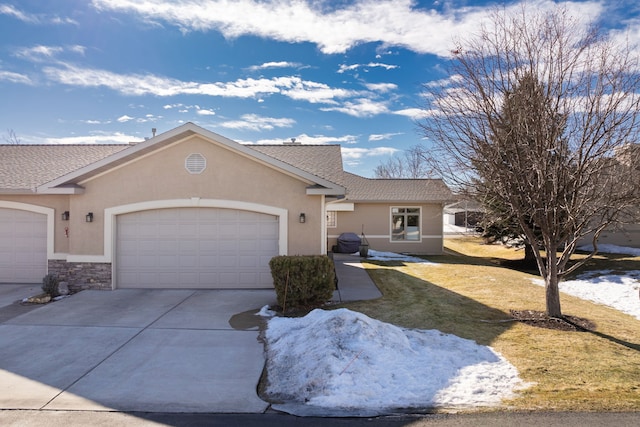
(345, 72)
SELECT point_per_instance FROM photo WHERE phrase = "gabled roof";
(321, 160)
(68, 181)
(361, 189)
(25, 167)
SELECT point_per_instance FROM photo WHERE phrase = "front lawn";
(470, 294)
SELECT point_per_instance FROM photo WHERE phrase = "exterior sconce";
(65, 216)
(303, 218)
(89, 217)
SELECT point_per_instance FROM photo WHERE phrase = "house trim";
(110, 216)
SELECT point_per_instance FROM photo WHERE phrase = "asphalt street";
(500, 419)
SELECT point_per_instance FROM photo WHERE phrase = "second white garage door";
(23, 246)
(195, 248)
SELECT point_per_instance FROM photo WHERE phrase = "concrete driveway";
(134, 350)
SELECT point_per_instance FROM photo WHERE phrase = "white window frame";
(405, 214)
(332, 219)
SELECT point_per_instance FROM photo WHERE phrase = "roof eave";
(316, 190)
(61, 189)
(17, 191)
(405, 201)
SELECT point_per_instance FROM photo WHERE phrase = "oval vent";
(195, 163)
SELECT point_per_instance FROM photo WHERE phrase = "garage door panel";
(196, 248)
(23, 246)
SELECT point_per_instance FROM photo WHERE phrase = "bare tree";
(535, 108)
(11, 137)
(410, 164)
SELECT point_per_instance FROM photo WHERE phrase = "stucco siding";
(228, 176)
(375, 220)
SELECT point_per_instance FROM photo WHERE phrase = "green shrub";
(50, 285)
(302, 281)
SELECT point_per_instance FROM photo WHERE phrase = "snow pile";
(266, 311)
(345, 360)
(612, 249)
(392, 256)
(621, 292)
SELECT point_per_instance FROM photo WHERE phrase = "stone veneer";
(82, 275)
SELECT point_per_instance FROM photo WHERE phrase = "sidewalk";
(354, 283)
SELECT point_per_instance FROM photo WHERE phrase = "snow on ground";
(341, 359)
(612, 249)
(392, 256)
(620, 291)
(344, 360)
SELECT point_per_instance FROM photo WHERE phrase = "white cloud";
(352, 67)
(381, 87)
(336, 30)
(630, 35)
(10, 10)
(77, 49)
(344, 68)
(11, 77)
(353, 153)
(278, 64)
(362, 107)
(124, 119)
(205, 112)
(95, 122)
(115, 138)
(149, 84)
(412, 113)
(314, 92)
(255, 122)
(41, 53)
(380, 137)
(313, 139)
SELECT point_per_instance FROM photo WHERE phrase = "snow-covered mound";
(345, 360)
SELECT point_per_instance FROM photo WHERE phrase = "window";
(332, 219)
(405, 224)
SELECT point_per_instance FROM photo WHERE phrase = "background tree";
(11, 137)
(535, 108)
(410, 164)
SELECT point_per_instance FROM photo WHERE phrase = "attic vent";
(195, 163)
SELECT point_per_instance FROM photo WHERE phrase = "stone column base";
(82, 275)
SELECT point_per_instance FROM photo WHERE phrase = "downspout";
(323, 222)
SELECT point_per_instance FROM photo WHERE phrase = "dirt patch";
(541, 320)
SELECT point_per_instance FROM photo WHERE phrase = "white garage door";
(23, 246)
(195, 248)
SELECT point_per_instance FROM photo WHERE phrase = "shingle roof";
(392, 190)
(24, 167)
(324, 161)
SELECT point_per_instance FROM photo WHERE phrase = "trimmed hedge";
(302, 281)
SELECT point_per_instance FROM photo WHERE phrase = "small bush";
(50, 285)
(302, 281)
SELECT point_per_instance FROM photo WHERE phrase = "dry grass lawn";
(469, 293)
